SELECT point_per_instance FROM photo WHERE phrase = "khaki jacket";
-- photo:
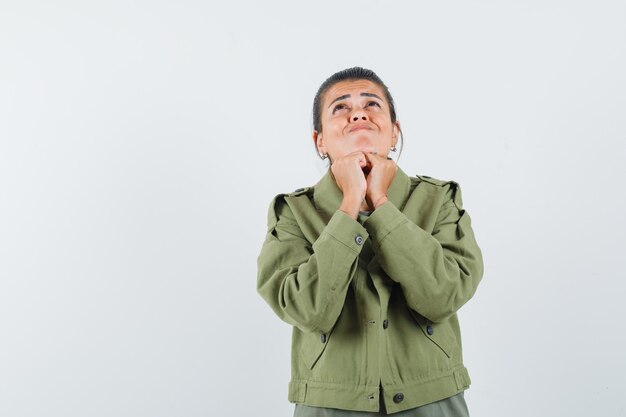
(372, 302)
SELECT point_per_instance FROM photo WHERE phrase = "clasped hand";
(364, 179)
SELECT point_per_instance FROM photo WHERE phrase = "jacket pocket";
(312, 347)
(436, 333)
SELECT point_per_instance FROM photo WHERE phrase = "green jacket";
(372, 302)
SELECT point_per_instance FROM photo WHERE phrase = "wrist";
(380, 201)
(351, 207)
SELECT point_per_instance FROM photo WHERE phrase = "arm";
(306, 284)
(437, 272)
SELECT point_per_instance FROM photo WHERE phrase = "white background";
(141, 144)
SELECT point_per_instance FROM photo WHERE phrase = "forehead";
(354, 88)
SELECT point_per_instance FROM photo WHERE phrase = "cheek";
(387, 127)
(335, 129)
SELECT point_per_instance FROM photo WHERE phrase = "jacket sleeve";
(306, 284)
(437, 272)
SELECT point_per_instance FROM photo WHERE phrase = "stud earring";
(392, 149)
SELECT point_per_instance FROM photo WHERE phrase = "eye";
(339, 107)
(375, 103)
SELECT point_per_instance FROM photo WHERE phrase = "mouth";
(360, 127)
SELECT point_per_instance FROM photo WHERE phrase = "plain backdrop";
(142, 141)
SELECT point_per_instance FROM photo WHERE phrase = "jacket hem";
(366, 397)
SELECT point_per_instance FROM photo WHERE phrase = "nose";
(358, 115)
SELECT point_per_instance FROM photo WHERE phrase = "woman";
(369, 266)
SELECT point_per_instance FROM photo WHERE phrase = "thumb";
(373, 158)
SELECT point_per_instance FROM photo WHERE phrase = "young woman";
(370, 266)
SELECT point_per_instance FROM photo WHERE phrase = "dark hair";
(351, 74)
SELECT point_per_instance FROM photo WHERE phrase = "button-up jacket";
(372, 301)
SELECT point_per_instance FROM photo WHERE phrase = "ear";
(319, 142)
(395, 130)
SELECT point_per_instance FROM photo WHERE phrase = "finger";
(358, 156)
(374, 158)
(361, 158)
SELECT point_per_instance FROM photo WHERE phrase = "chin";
(364, 146)
(365, 149)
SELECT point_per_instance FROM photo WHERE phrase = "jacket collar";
(327, 196)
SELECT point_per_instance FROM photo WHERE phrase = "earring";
(392, 148)
(325, 156)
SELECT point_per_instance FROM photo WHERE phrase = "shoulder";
(280, 199)
(450, 189)
(431, 180)
(300, 191)
(279, 208)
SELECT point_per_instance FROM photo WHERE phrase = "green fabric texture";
(454, 406)
(372, 302)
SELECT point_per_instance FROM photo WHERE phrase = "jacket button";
(385, 323)
(323, 338)
(358, 239)
(430, 330)
(398, 397)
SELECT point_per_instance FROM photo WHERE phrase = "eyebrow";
(348, 95)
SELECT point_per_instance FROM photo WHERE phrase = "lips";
(361, 126)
